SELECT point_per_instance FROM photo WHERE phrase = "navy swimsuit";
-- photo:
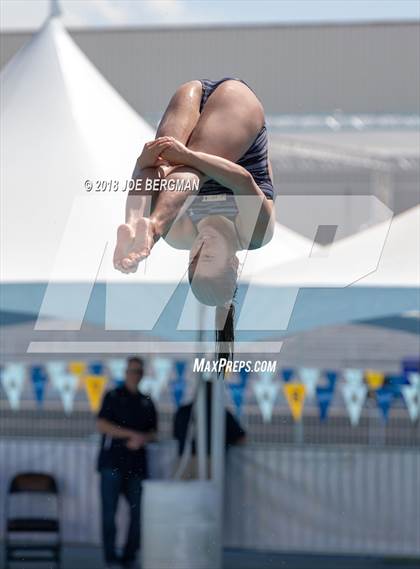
(215, 199)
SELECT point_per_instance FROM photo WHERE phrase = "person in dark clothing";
(127, 421)
(234, 433)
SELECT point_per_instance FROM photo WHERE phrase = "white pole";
(201, 406)
(218, 451)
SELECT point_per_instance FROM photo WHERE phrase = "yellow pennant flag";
(374, 379)
(95, 386)
(77, 368)
(295, 394)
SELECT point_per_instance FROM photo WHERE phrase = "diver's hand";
(175, 152)
(150, 155)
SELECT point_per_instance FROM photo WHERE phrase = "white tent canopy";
(61, 124)
(391, 251)
(370, 275)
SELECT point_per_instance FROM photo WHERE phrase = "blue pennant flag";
(178, 384)
(384, 399)
(39, 379)
(287, 374)
(178, 390)
(395, 383)
(244, 375)
(324, 396)
(410, 365)
(96, 368)
(237, 391)
(180, 367)
(331, 377)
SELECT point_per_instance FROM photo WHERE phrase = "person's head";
(213, 273)
(213, 258)
(133, 373)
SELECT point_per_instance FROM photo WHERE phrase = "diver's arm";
(256, 229)
(227, 173)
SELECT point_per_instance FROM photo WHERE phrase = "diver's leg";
(178, 121)
(228, 125)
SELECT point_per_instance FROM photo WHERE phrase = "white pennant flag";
(411, 394)
(162, 368)
(266, 394)
(13, 380)
(265, 376)
(355, 376)
(56, 370)
(414, 378)
(66, 384)
(117, 368)
(309, 377)
(150, 386)
(354, 395)
(154, 386)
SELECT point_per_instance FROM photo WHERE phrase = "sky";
(30, 14)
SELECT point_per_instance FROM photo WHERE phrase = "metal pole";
(201, 406)
(218, 450)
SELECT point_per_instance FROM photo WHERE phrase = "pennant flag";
(13, 381)
(287, 374)
(150, 386)
(354, 395)
(331, 377)
(178, 390)
(295, 394)
(414, 378)
(266, 376)
(396, 383)
(411, 394)
(180, 367)
(39, 380)
(237, 391)
(309, 377)
(374, 379)
(162, 368)
(96, 368)
(178, 384)
(397, 379)
(353, 375)
(384, 398)
(66, 385)
(77, 368)
(410, 365)
(95, 387)
(266, 394)
(324, 397)
(244, 376)
(55, 369)
(117, 369)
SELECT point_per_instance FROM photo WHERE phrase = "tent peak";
(55, 9)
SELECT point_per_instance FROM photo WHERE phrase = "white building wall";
(293, 68)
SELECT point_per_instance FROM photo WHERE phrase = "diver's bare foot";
(125, 240)
(141, 244)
